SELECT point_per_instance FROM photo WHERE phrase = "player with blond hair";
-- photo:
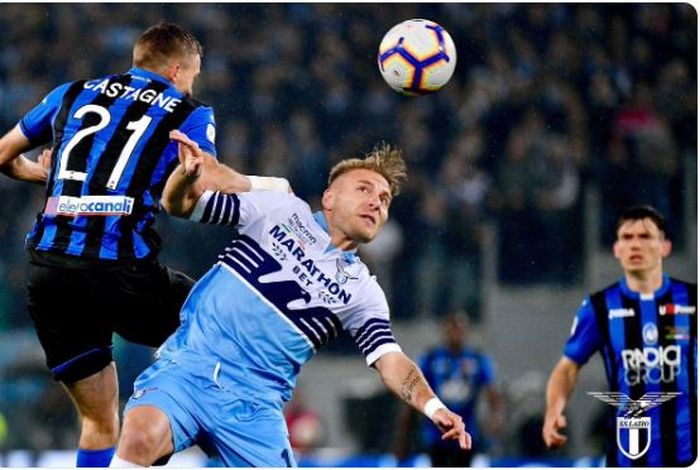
(288, 283)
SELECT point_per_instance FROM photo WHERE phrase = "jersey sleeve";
(370, 326)
(217, 208)
(36, 124)
(585, 338)
(200, 126)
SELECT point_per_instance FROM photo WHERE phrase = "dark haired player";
(645, 327)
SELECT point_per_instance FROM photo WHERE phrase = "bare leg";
(96, 398)
(146, 436)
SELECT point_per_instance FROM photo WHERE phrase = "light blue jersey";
(278, 293)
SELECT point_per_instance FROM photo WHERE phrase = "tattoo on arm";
(409, 384)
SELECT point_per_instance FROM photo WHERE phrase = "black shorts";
(76, 309)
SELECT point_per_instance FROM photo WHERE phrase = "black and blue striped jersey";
(111, 158)
(649, 347)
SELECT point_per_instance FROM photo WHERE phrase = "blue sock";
(95, 458)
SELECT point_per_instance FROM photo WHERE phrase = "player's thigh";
(148, 310)
(68, 312)
(161, 387)
(253, 434)
(96, 396)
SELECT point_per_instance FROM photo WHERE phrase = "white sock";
(121, 463)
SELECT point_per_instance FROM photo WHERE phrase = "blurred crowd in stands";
(546, 100)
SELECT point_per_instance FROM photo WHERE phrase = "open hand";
(188, 152)
(452, 426)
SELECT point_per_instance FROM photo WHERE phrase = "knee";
(145, 437)
(139, 445)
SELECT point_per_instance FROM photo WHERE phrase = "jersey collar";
(139, 72)
(665, 284)
(351, 255)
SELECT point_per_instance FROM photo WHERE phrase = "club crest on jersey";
(342, 275)
(675, 309)
(633, 433)
(650, 333)
(142, 391)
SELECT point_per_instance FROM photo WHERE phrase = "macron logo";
(620, 313)
(89, 205)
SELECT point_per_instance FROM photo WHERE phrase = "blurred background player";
(289, 283)
(645, 315)
(93, 268)
(460, 375)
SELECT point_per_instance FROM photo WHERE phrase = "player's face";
(359, 204)
(188, 71)
(641, 246)
(455, 332)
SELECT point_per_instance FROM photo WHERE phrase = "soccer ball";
(417, 57)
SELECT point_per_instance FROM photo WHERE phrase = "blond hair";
(383, 159)
(162, 43)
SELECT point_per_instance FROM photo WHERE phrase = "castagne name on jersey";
(126, 92)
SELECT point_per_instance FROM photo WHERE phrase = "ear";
(666, 247)
(172, 72)
(617, 249)
(328, 199)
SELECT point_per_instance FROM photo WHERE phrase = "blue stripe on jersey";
(613, 300)
(48, 235)
(36, 125)
(649, 314)
(69, 130)
(679, 294)
(611, 368)
(247, 259)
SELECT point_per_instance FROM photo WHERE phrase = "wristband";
(268, 183)
(431, 406)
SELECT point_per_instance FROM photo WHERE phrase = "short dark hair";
(161, 43)
(641, 212)
(457, 316)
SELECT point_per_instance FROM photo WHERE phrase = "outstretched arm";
(17, 166)
(198, 171)
(561, 383)
(403, 377)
